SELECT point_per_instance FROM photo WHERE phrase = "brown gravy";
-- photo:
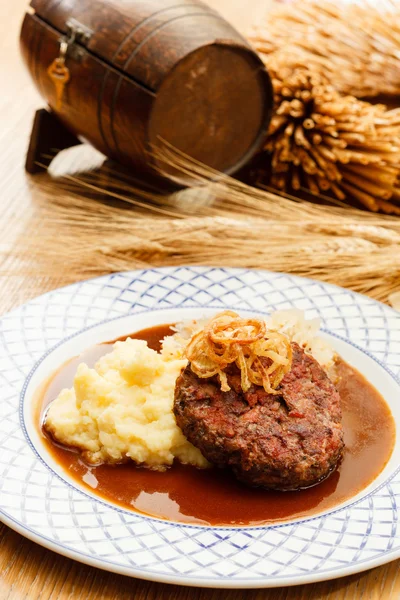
(214, 497)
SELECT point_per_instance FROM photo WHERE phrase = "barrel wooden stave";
(151, 70)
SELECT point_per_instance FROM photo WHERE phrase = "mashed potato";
(123, 409)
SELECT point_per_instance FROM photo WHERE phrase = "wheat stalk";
(223, 221)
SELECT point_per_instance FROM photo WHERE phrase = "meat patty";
(283, 442)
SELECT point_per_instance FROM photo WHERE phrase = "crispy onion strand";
(263, 356)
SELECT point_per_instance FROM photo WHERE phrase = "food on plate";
(173, 494)
(249, 395)
(122, 409)
(261, 398)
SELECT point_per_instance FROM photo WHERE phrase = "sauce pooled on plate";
(213, 496)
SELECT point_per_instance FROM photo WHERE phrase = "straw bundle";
(325, 142)
(240, 225)
(356, 46)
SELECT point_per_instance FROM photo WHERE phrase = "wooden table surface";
(28, 571)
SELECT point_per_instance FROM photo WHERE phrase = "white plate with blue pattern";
(38, 500)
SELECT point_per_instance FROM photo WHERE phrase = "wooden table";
(29, 571)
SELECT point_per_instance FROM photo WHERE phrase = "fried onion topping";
(262, 355)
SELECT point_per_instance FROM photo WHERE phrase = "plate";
(38, 500)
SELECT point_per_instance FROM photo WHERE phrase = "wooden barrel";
(145, 71)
